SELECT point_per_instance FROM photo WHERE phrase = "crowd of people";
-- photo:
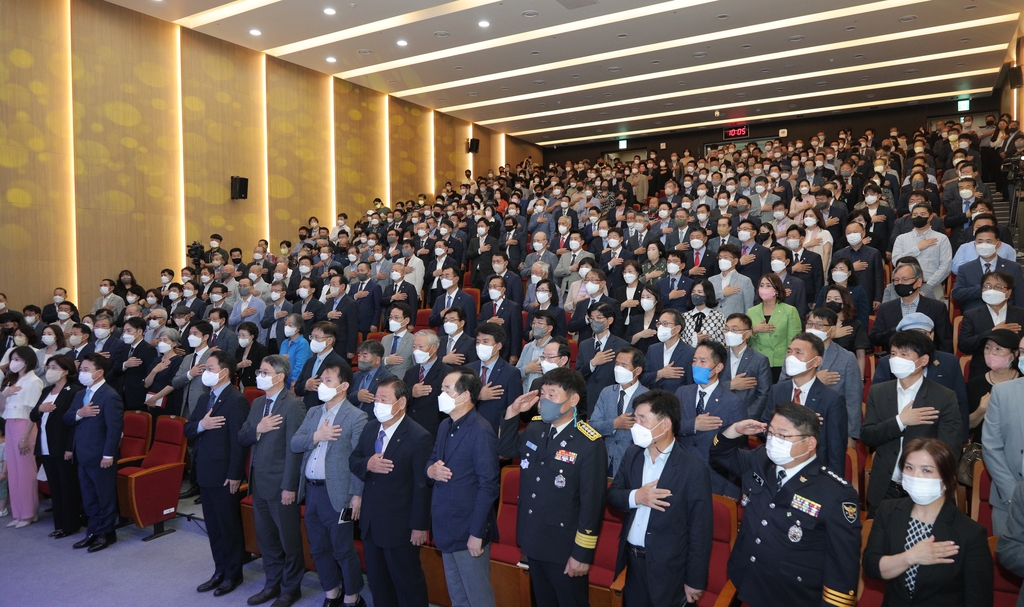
(640, 333)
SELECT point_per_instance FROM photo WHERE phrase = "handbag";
(965, 469)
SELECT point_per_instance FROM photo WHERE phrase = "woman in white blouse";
(53, 345)
(818, 238)
(19, 393)
(703, 321)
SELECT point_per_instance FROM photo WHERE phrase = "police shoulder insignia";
(835, 476)
(588, 430)
(850, 512)
(536, 418)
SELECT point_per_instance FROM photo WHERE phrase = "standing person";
(219, 461)
(273, 420)
(665, 544)
(55, 444)
(21, 388)
(98, 418)
(614, 412)
(391, 460)
(327, 437)
(805, 549)
(565, 473)
(463, 469)
(1003, 448)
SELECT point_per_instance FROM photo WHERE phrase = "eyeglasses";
(665, 324)
(994, 288)
(785, 437)
(818, 325)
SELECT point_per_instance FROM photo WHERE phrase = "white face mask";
(275, 295)
(450, 328)
(593, 288)
(445, 403)
(484, 352)
(101, 333)
(210, 379)
(810, 222)
(105, 290)
(49, 339)
(664, 333)
(793, 243)
(922, 491)
(446, 284)
(203, 279)
(216, 297)
(163, 347)
(173, 296)
(778, 265)
(64, 315)
(993, 297)
(583, 272)
(278, 276)
(315, 346)
(985, 249)
(396, 276)
(127, 339)
(673, 268)
(854, 238)
(745, 235)
(543, 297)
(31, 320)
(383, 412)
(642, 437)
(733, 339)
(420, 356)
(623, 376)
(839, 276)
(780, 450)
(216, 324)
(901, 368)
(75, 340)
(195, 340)
(795, 366)
(629, 278)
(822, 335)
(647, 304)
(494, 294)
(86, 379)
(325, 393)
(303, 293)
(288, 332)
(394, 325)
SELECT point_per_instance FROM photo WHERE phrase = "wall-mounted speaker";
(1016, 77)
(474, 146)
(239, 188)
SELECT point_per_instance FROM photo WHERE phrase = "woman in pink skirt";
(19, 392)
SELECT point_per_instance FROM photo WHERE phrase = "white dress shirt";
(734, 360)
(904, 398)
(652, 470)
(792, 472)
(999, 317)
(389, 432)
(42, 424)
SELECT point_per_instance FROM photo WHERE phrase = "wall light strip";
(224, 11)
(501, 149)
(662, 46)
(378, 26)
(387, 152)
(182, 223)
(433, 154)
(751, 84)
(471, 154)
(834, 108)
(753, 102)
(731, 63)
(69, 131)
(582, 25)
(333, 153)
(266, 147)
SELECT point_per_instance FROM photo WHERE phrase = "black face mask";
(920, 222)
(698, 300)
(835, 306)
(904, 290)
(761, 238)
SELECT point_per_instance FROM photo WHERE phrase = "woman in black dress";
(850, 332)
(1001, 355)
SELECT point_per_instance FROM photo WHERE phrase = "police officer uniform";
(562, 486)
(799, 543)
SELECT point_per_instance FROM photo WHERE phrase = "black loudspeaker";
(474, 146)
(239, 188)
(1016, 76)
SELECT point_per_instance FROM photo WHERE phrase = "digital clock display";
(735, 132)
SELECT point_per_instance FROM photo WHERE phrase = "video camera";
(195, 253)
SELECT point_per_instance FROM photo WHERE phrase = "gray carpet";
(42, 572)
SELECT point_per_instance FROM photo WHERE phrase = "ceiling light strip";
(751, 84)
(544, 32)
(751, 103)
(433, 12)
(848, 106)
(224, 11)
(662, 46)
(730, 63)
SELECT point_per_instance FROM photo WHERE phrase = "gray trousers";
(469, 579)
(279, 538)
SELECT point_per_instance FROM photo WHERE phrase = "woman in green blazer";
(775, 323)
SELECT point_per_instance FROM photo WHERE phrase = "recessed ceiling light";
(863, 77)
(741, 94)
(636, 109)
(471, 94)
(700, 55)
(331, 60)
(255, 32)
(723, 17)
(795, 38)
(607, 94)
(764, 70)
(655, 62)
(402, 43)
(458, 68)
(851, 28)
(392, 81)
(329, 11)
(788, 66)
(961, 64)
(440, 98)
(779, 90)
(859, 56)
(535, 52)
(669, 103)
(544, 122)
(965, 40)
(481, 114)
(614, 69)
(747, 46)
(589, 97)
(575, 75)
(602, 113)
(484, 24)
(912, 70)
(504, 88)
(547, 136)
(622, 35)
(600, 130)
(871, 95)
(907, 18)
(792, 105)
(364, 51)
(530, 14)
(538, 82)
(970, 7)
(822, 83)
(657, 122)
(441, 34)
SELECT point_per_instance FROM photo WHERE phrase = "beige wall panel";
(451, 158)
(516, 151)
(411, 150)
(360, 141)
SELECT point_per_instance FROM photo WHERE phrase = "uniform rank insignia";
(757, 477)
(560, 481)
(805, 505)
(796, 533)
(531, 446)
(565, 456)
(835, 476)
(745, 500)
(524, 464)
(850, 511)
(588, 430)
(536, 418)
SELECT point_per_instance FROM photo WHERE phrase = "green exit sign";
(964, 105)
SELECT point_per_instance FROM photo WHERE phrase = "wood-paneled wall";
(451, 152)
(361, 156)
(411, 150)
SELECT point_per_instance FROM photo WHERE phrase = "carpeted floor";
(42, 572)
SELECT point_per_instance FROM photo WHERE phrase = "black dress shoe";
(211, 583)
(105, 540)
(287, 600)
(55, 532)
(227, 587)
(198, 500)
(59, 535)
(190, 492)
(263, 596)
(88, 541)
(335, 602)
(360, 602)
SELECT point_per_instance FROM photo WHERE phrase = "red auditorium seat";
(422, 319)
(605, 588)
(981, 509)
(511, 582)
(148, 494)
(720, 591)
(1006, 584)
(135, 437)
(574, 347)
(475, 294)
(251, 394)
(871, 592)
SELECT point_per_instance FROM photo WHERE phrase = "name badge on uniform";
(524, 464)
(757, 477)
(565, 456)
(805, 505)
(531, 446)
(796, 533)
(560, 481)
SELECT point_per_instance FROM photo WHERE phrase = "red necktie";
(796, 396)
(746, 249)
(421, 374)
(495, 309)
(483, 375)
(696, 258)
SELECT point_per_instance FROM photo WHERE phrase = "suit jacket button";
(764, 523)
(799, 579)
(531, 511)
(753, 558)
(533, 495)
(538, 479)
(771, 505)
(757, 540)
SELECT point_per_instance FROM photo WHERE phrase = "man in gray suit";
(569, 263)
(333, 495)
(838, 369)
(273, 317)
(1011, 542)
(613, 413)
(398, 345)
(1002, 445)
(541, 253)
(274, 482)
(747, 372)
(189, 381)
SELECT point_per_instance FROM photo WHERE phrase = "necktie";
(597, 346)
(698, 322)
(267, 406)
(213, 340)
(451, 345)
(672, 285)
(746, 249)
(483, 375)
(782, 476)
(700, 402)
(495, 309)
(796, 396)
(423, 372)
(365, 383)
(450, 297)
(622, 402)
(88, 396)
(394, 343)
(572, 261)
(378, 445)
(988, 268)
(696, 258)
(316, 365)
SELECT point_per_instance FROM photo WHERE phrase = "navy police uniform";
(799, 543)
(562, 486)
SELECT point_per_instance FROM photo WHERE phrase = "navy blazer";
(761, 265)
(412, 298)
(397, 503)
(578, 323)
(99, 436)
(309, 397)
(797, 295)
(603, 375)
(967, 288)
(59, 436)
(424, 409)
(872, 278)
(814, 278)
(428, 276)
(945, 371)
(217, 454)
(268, 320)
(752, 364)
(560, 323)
(682, 356)
(507, 376)
(827, 403)
(112, 345)
(665, 287)
(316, 308)
(889, 314)
(614, 274)
(347, 325)
(464, 506)
(369, 306)
(464, 345)
(132, 388)
(514, 290)
(720, 403)
(357, 380)
(461, 300)
(512, 315)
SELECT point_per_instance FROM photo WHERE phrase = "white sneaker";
(4, 513)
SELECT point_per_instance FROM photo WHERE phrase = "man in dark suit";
(907, 280)
(867, 264)
(456, 347)
(463, 469)
(967, 288)
(782, 261)
(391, 460)
(50, 310)
(341, 310)
(499, 261)
(747, 373)
(979, 322)
(453, 296)
(104, 342)
(98, 417)
(805, 265)
(133, 364)
(322, 340)
(612, 260)
(219, 460)
(669, 377)
(274, 315)
(308, 306)
(835, 216)
(302, 272)
(501, 380)
(912, 406)
(371, 372)
(424, 379)
(675, 286)
(432, 275)
(505, 313)
(400, 290)
(705, 406)
(700, 263)
(578, 323)
(274, 482)
(665, 543)
(595, 359)
(755, 259)
(190, 298)
(802, 361)
(367, 294)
